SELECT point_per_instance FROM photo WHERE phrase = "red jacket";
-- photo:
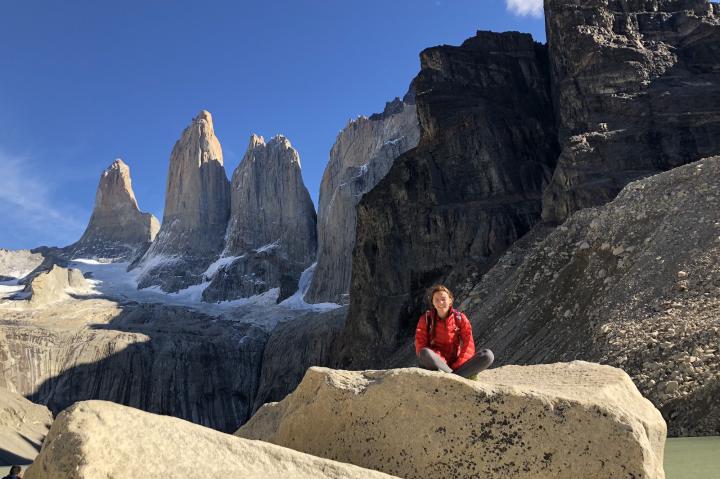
(452, 342)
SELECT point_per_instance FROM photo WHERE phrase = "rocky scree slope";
(634, 284)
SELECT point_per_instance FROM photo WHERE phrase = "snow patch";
(361, 171)
(150, 263)
(114, 281)
(297, 301)
(8, 290)
(217, 265)
(394, 141)
(268, 247)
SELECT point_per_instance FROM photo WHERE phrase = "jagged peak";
(278, 143)
(280, 139)
(205, 116)
(283, 142)
(117, 165)
(255, 141)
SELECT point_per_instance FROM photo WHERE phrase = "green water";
(692, 458)
(685, 458)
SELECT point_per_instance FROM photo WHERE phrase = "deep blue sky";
(83, 82)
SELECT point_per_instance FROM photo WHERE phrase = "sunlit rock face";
(117, 228)
(472, 186)
(197, 207)
(94, 439)
(271, 237)
(636, 86)
(362, 155)
(563, 420)
(23, 426)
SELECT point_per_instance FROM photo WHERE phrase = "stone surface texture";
(564, 420)
(637, 91)
(472, 186)
(362, 155)
(272, 228)
(117, 228)
(23, 426)
(634, 284)
(197, 207)
(98, 440)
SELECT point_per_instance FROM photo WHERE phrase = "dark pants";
(482, 360)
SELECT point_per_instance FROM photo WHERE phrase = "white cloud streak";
(29, 214)
(524, 8)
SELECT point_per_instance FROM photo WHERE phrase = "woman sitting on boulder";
(444, 340)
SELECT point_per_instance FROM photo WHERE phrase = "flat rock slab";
(98, 439)
(23, 426)
(564, 420)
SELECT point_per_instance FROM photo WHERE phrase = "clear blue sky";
(83, 82)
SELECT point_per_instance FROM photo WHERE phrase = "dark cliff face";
(636, 86)
(473, 185)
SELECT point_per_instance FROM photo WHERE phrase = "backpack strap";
(429, 323)
(458, 322)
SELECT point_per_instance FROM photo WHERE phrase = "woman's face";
(442, 302)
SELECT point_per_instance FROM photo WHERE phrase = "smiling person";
(444, 340)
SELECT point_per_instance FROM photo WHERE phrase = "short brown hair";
(436, 288)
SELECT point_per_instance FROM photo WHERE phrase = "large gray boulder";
(362, 155)
(99, 440)
(472, 186)
(564, 420)
(117, 228)
(636, 88)
(271, 237)
(197, 206)
(23, 426)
